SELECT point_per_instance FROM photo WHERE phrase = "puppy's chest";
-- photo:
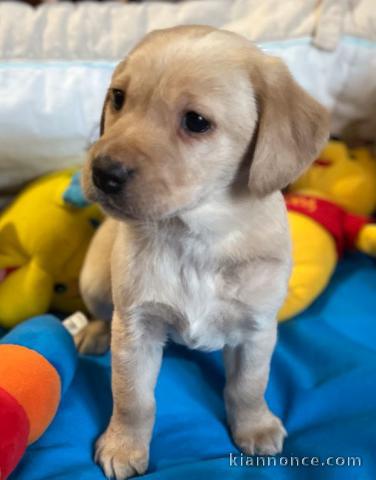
(190, 281)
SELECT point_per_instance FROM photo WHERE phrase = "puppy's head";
(194, 111)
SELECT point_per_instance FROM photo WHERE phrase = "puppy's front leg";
(137, 345)
(254, 427)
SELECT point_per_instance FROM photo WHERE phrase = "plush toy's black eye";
(117, 98)
(94, 222)
(195, 123)
(60, 288)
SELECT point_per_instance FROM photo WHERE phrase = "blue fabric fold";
(323, 385)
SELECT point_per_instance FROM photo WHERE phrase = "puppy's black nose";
(108, 175)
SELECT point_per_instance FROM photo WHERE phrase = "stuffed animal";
(38, 361)
(44, 235)
(329, 210)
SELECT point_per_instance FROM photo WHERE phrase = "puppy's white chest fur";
(181, 277)
(210, 288)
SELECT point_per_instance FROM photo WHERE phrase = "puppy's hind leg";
(95, 285)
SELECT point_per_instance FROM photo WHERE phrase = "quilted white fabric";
(56, 62)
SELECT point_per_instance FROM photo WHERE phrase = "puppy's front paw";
(94, 339)
(120, 456)
(263, 437)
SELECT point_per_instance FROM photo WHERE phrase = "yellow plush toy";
(329, 210)
(44, 236)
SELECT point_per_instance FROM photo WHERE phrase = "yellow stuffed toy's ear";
(11, 252)
(24, 293)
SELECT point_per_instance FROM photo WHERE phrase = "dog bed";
(322, 385)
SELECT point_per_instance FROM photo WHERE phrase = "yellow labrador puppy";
(201, 130)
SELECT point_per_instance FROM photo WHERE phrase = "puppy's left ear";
(292, 128)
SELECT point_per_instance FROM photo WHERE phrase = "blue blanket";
(323, 385)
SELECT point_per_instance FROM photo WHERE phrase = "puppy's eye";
(195, 123)
(117, 98)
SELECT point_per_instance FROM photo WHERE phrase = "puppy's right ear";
(103, 116)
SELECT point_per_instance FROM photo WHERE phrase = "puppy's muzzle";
(110, 176)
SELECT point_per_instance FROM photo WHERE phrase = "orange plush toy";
(38, 361)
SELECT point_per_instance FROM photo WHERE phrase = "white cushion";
(56, 62)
